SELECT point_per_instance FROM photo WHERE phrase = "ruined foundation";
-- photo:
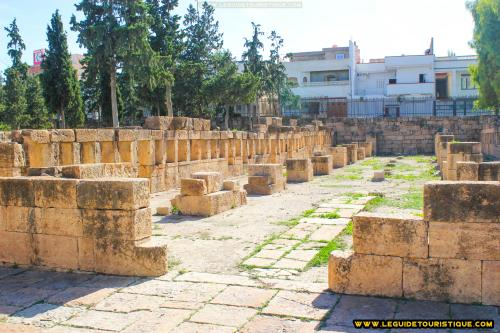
(265, 179)
(452, 254)
(91, 225)
(299, 170)
(206, 194)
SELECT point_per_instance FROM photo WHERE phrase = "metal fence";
(385, 107)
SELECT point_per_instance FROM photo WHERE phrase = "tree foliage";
(35, 104)
(115, 34)
(486, 14)
(60, 83)
(201, 41)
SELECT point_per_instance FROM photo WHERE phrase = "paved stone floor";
(246, 270)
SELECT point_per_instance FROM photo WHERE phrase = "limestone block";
(99, 170)
(17, 219)
(447, 201)
(55, 192)
(464, 147)
(378, 176)
(259, 180)
(231, 185)
(86, 135)
(15, 247)
(58, 221)
(35, 136)
(379, 234)
(158, 123)
(206, 205)
(322, 165)
(117, 224)
(11, 172)
(467, 171)
(144, 134)
(11, 155)
(113, 193)
(17, 192)
(491, 283)
(195, 187)
(163, 211)
(444, 280)
(62, 135)
(66, 255)
(340, 158)
(90, 152)
(489, 171)
(128, 151)
(360, 153)
(464, 240)
(477, 158)
(299, 170)
(146, 152)
(69, 153)
(86, 254)
(274, 171)
(360, 274)
(126, 135)
(182, 123)
(213, 180)
(141, 258)
(109, 152)
(42, 154)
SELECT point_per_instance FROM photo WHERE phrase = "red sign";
(38, 57)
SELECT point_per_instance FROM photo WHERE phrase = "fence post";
(454, 107)
(434, 113)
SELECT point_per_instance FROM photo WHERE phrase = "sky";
(379, 27)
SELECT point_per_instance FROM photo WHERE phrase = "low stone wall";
(92, 225)
(490, 140)
(165, 151)
(452, 254)
(409, 135)
(485, 171)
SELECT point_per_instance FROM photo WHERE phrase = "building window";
(380, 84)
(467, 83)
(392, 81)
(340, 56)
(421, 78)
(304, 79)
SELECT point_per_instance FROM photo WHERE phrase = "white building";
(337, 72)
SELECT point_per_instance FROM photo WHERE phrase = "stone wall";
(165, 151)
(451, 254)
(409, 135)
(98, 225)
(490, 140)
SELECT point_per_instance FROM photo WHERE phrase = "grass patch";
(308, 212)
(413, 199)
(348, 177)
(330, 215)
(374, 163)
(321, 258)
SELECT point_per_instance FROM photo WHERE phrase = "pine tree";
(166, 40)
(115, 34)
(35, 104)
(60, 84)
(201, 41)
(486, 14)
(15, 113)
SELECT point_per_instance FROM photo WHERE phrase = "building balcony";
(323, 89)
(397, 89)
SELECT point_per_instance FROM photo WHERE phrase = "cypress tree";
(15, 113)
(60, 84)
(35, 104)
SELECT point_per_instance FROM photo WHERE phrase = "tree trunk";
(63, 116)
(226, 118)
(168, 100)
(114, 102)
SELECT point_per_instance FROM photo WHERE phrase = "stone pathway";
(246, 270)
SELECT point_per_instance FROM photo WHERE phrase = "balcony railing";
(325, 83)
